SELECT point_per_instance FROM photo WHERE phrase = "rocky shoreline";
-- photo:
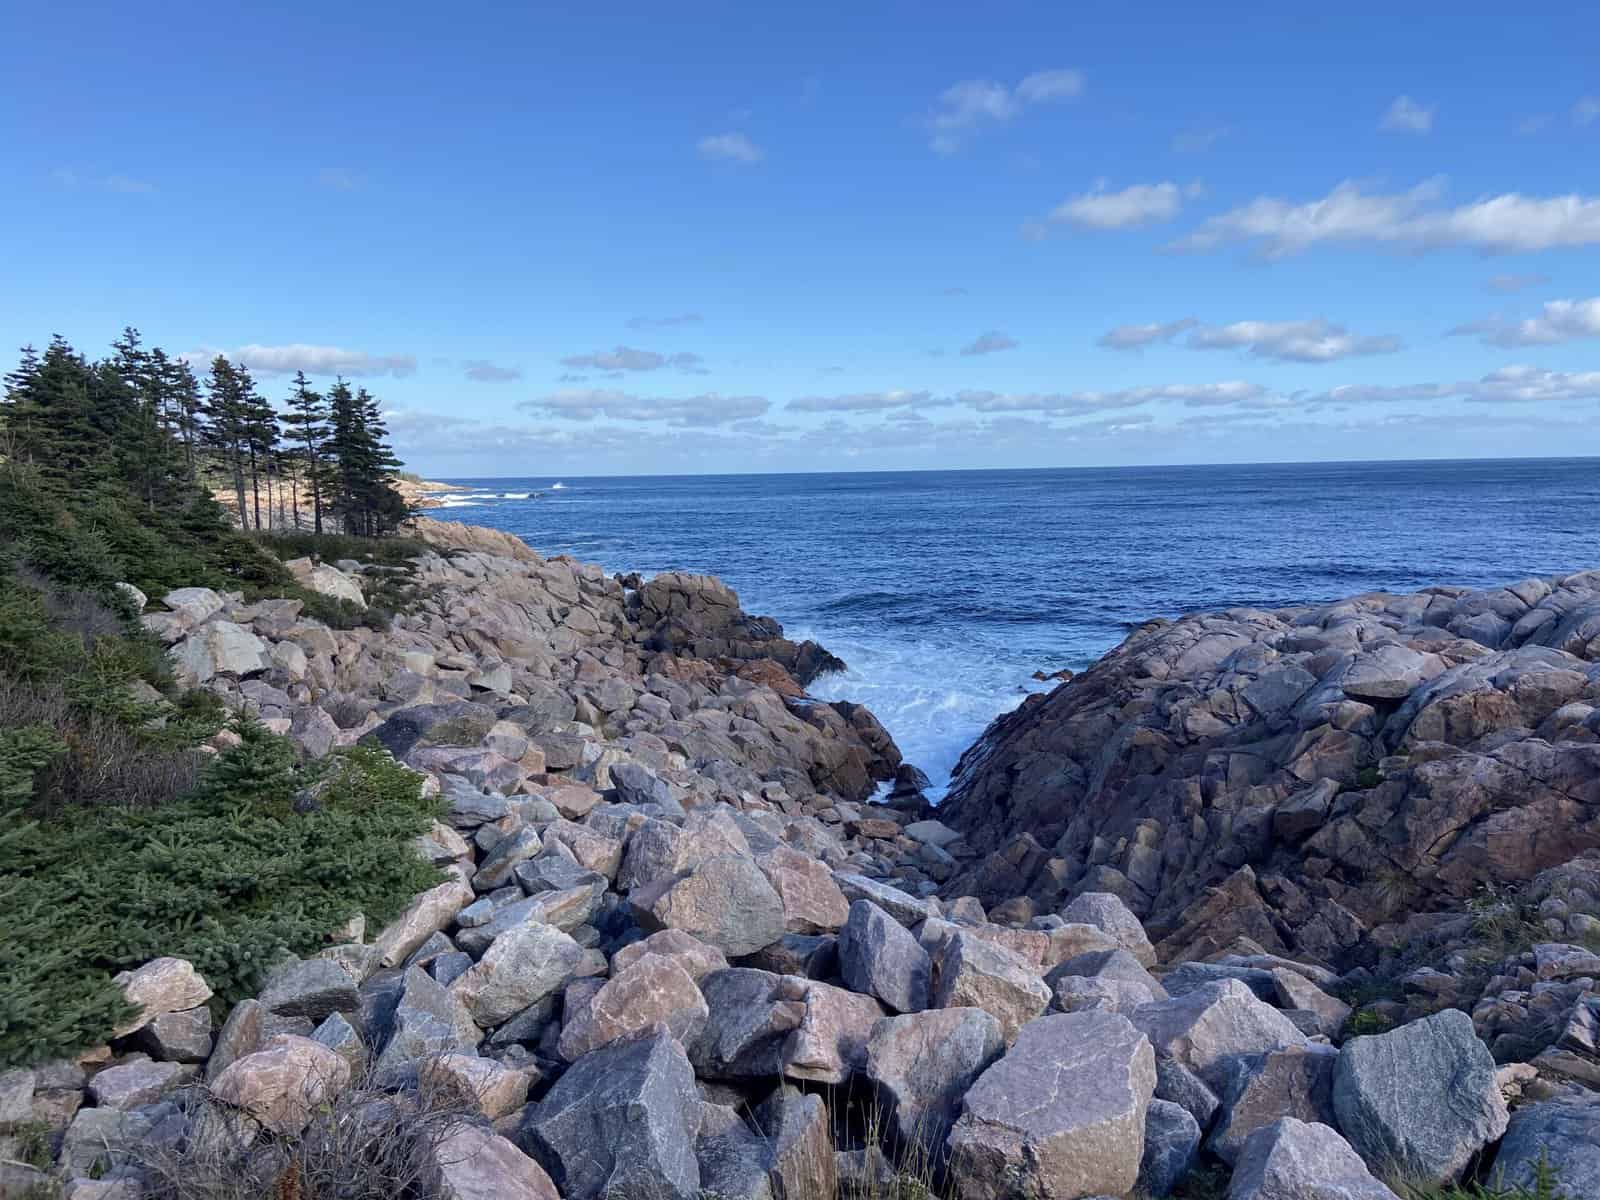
(679, 952)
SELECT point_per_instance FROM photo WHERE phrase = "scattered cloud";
(975, 104)
(864, 402)
(1411, 219)
(1586, 111)
(1505, 284)
(707, 409)
(1134, 337)
(1405, 115)
(339, 179)
(481, 371)
(730, 147)
(1558, 321)
(990, 343)
(313, 360)
(1517, 384)
(626, 358)
(1134, 207)
(1314, 341)
(1200, 394)
(668, 322)
(1199, 141)
(954, 291)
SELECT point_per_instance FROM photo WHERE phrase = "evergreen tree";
(185, 406)
(306, 424)
(228, 424)
(260, 436)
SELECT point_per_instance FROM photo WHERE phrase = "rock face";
(1268, 774)
(1059, 1117)
(621, 1123)
(1293, 1160)
(1421, 1099)
(1562, 1134)
(878, 956)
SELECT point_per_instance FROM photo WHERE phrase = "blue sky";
(719, 237)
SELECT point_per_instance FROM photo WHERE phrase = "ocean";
(945, 590)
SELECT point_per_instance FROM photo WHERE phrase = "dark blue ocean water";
(944, 591)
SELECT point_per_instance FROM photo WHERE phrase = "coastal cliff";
(1312, 778)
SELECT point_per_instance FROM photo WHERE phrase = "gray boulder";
(1110, 915)
(177, 1036)
(1171, 1142)
(427, 1020)
(1296, 1081)
(725, 902)
(313, 988)
(747, 1026)
(1420, 1100)
(1204, 1028)
(1294, 1160)
(1061, 1116)
(620, 1124)
(973, 971)
(922, 1064)
(879, 957)
(1175, 1082)
(522, 966)
(1564, 1135)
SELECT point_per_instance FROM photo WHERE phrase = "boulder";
(427, 1020)
(879, 957)
(522, 966)
(1171, 1142)
(219, 648)
(1107, 913)
(974, 972)
(136, 1082)
(653, 991)
(901, 905)
(749, 1023)
(492, 1089)
(693, 955)
(1204, 1028)
(799, 1145)
(726, 902)
(177, 1036)
(1061, 1116)
(812, 901)
(1296, 1160)
(283, 1085)
(1562, 1134)
(920, 1065)
(425, 916)
(732, 1156)
(1436, 1066)
(313, 988)
(469, 1162)
(831, 1039)
(163, 985)
(1296, 1081)
(620, 1123)
(330, 581)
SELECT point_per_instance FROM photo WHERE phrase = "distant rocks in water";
(1061, 676)
(1311, 779)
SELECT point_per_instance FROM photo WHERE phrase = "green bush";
(264, 858)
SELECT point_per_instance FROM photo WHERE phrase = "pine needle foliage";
(232, 877)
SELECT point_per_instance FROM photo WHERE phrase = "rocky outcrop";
(1305, 777)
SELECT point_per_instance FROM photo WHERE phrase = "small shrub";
(1367, 1022)
(1546, 1186)
(230, 877)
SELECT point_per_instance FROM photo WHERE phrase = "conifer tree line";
(141, 417)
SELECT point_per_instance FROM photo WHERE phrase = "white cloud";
(865, 402)
(730, 147)
(1517, 384)
(482, 371)
(707, 409)
(1509, 222)
(1514, 283)
(667, 322)
(1405, 115)
(1558, 321)
(626, 358)
(1314, 341)
(990, 343)
(974, 104)
(1134, 337)
(1586, 111)
(313, 360)
(1067, 403)
(1133, 207)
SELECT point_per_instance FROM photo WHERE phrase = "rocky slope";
(675, 955)
(1310, 778)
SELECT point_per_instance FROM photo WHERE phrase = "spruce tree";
(306, 424)
(228, 425)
